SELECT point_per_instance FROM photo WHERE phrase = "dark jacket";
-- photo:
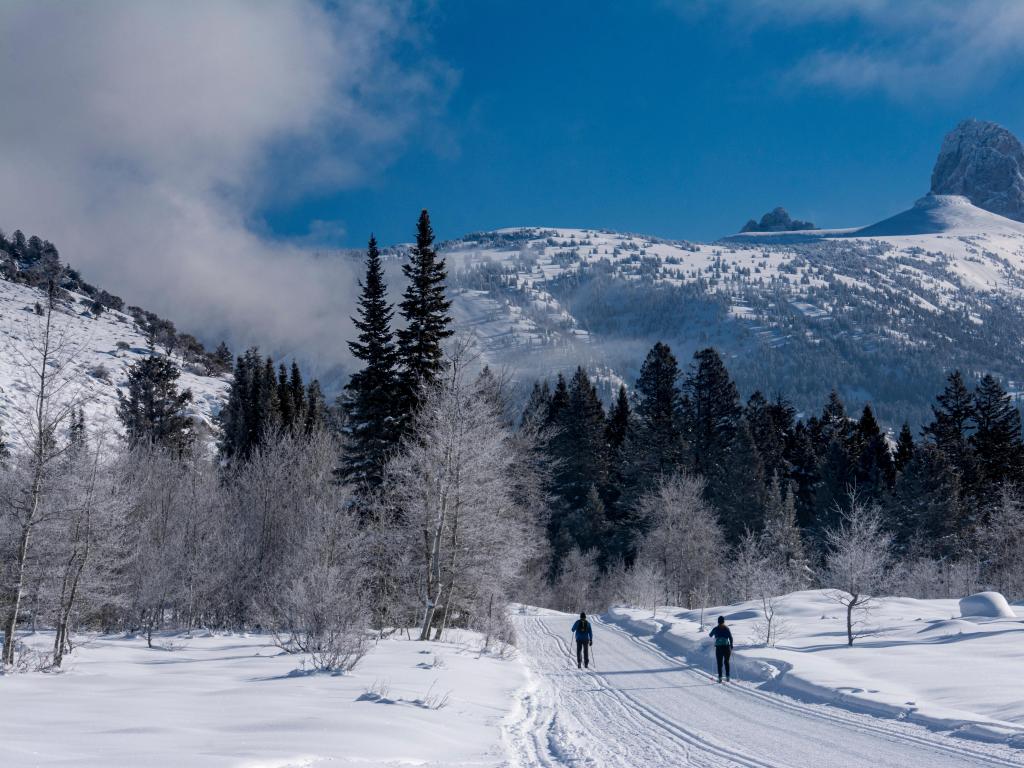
(581, 629)
(722, 634)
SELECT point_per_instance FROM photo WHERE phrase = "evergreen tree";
(771, 424)
(617, 431)
(711, 409)
(315, 411)
(836, 481)
(739, 481)
(284, 399)
(577, 447)
(834, 424)
(372, 395)
(618, 425)
(297, 391)
(658, 450)
(951, 428)
(781, 541)
(153, 410)
(925, 510)
(259, 406)
(425, 310)
(997, 438)
(559, 401)
(804, 473)
(904, 448)
(535, 413)
(874, 472)
(222, 357)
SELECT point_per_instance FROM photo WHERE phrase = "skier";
(584, 639)
(723, 647)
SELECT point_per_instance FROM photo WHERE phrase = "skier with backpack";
(723, 647)
(584, 639)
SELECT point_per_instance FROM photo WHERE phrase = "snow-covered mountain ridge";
(877, 312)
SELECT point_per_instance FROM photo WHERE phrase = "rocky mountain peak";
(984, 162)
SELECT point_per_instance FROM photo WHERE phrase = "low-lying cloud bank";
(142, 137)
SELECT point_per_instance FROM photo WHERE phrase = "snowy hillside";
(899, 301)
(104, 348)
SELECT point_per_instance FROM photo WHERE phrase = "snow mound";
(934, 214)
(988, 605)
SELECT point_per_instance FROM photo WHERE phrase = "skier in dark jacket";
(723, 647)
(584, 639)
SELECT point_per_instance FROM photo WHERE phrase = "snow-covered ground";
(919, 662)
(925, 690)
(100, 366)
(643, 705)
(235, 700)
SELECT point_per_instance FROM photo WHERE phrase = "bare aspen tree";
(453, 482)
(47, 363)
(856, 566)
(684, 540)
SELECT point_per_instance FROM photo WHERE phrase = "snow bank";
(236, 700)
(921, 660)
(987, 604)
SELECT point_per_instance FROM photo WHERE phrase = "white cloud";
(141, 136)
(905, 48)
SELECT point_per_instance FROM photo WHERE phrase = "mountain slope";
(879, 312)
(100, 365)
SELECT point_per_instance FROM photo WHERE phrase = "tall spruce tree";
(925, 510)
(874, 471)
(997, 438)
(535, 412)
(425, 310)
(153, 410)
(904, 448)
(658, 450)
(372, 395)
(951, 428)
(315, 412)
(711, 409)
(771, 424)
(297, 390)
(804, 473)
(740, 485)
(577, 447)
(617, 431)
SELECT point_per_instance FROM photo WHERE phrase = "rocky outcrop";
(984, 162)
(777, 220)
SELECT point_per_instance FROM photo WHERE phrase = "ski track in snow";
(641, 706)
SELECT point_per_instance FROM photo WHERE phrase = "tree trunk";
(849, 620)
(11, 623)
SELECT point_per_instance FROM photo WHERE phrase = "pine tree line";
(756, 459)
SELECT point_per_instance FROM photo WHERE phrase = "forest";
(426, 497)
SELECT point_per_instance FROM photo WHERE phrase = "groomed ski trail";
(639, 706)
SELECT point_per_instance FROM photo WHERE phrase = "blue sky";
(669, 119)
(199, 158)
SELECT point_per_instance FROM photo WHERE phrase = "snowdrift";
(987, 604)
